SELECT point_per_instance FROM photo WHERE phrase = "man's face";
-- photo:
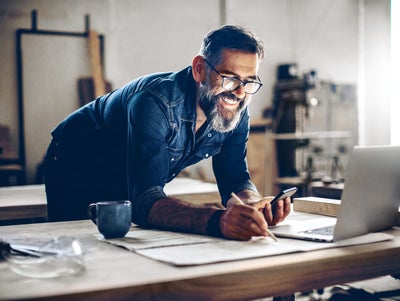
(222, 107)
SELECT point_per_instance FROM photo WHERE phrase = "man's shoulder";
(155, 81)
(170, 85)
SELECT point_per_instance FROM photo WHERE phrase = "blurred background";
(326, 74)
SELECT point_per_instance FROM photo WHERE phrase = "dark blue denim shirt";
(158, 114)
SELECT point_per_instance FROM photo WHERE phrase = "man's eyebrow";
(228, 72)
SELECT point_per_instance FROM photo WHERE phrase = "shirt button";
(209, 135)
(173, 175)
(207, 155)
(172, 159)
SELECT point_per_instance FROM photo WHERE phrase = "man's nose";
(239, 92)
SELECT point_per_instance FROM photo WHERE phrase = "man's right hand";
(241, 222)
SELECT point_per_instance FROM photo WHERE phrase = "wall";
(143, 36)
(374, 78)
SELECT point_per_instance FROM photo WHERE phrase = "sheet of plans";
(183, 249)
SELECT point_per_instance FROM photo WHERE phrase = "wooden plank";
(29, 201)
(7, 152)
(95, 64)
(316, 205)
(23, 212)
(23, 202)
(206, 199)
(86, 89)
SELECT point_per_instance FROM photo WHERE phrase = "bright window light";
(395, 70)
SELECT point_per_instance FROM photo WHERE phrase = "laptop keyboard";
(321, 231)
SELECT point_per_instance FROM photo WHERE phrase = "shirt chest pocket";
(175, 155)
(208, 150)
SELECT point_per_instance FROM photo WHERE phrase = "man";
(128, 144)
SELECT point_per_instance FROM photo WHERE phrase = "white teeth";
(229, 101)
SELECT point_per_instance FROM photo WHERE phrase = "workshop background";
(334, 53)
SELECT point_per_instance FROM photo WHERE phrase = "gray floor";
(383, 289)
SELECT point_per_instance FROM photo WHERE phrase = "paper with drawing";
(189, 249)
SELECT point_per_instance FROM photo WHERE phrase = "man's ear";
(198, 71)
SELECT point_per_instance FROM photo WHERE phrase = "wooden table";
(29, 202)
(23, 202)
(114, 273)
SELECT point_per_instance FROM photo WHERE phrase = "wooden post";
(95, 64)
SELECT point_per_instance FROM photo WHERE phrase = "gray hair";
(231, 37)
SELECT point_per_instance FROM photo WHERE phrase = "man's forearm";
(175, 215)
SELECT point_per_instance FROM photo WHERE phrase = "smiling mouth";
(230, 100)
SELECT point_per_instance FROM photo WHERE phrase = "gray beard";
(221, 119)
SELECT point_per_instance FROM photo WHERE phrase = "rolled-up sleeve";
(147, 155)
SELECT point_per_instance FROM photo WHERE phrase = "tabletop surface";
(113, 272)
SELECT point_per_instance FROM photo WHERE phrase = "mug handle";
(90, 213)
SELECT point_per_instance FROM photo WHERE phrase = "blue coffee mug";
(113, 218)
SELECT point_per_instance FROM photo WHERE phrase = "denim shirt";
(157, 113)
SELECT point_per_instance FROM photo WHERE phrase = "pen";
(241, 202)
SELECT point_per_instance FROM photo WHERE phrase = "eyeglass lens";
(232, 83)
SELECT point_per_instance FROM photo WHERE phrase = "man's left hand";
(282, 209)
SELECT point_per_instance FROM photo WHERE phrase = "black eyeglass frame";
(235, 78)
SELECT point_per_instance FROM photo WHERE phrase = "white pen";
(241, 202)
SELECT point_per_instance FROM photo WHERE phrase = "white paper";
(224, 250)
(228, 250)
(182, 249)
(138, 239)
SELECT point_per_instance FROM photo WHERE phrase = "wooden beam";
(95, 64)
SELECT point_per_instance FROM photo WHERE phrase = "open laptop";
(370, 199)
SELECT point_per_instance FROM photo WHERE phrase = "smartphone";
(282, 195)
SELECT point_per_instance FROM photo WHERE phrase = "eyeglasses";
(232, 83)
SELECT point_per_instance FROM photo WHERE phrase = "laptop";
(369, 203)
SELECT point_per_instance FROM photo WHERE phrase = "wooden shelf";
(310, 135)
